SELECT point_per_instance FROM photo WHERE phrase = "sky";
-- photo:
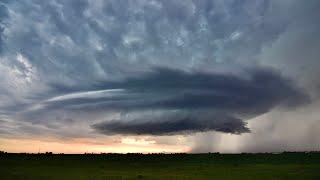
(167, 76)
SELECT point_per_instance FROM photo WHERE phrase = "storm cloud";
(222, 98)
(178, 123)
(86, 68)
(257, 91)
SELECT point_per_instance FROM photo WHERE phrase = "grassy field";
(160, 166)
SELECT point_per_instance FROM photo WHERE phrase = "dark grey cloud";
(256, 93)
(174, 124)
(220, 101)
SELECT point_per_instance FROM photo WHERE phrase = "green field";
(160, 166)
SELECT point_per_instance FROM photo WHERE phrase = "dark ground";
(160, 166)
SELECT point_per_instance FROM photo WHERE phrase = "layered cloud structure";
(90, 68)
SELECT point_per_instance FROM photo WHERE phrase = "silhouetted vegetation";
(286, 165)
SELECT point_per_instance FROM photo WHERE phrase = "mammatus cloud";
(3, 14)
